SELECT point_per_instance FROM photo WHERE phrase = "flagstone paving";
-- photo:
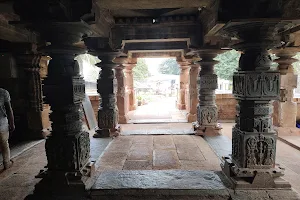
(159, 152)
(158, 111)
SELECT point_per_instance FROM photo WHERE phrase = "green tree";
(141, 71)
(229, 62)
(169, 66)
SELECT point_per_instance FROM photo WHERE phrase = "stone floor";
(21, 147)
(140, 152)
(159, 111)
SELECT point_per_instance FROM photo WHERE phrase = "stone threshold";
(159, 184)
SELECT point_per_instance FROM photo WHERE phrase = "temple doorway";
(156, 87)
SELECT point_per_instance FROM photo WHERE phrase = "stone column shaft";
(207, 111)
(184, 73)
(286, 109)
(193, 92)
(130, 86)
(121, 98)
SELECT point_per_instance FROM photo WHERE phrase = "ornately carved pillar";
(255, 85)
(121, 98)
(68, 146)
(193, 91)
(106, 86)
(207, 110)
(129, 86)
(184, 78)
(286, 109)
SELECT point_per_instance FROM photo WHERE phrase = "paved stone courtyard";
(160, 110)
(139, 152)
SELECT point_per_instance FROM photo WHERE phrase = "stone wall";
(227, 106)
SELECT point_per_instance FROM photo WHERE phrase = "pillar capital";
(285, 59)
(129, 66)
(99, 46)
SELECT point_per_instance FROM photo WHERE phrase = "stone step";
(159, 184)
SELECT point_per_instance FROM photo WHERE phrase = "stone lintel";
(156, 45)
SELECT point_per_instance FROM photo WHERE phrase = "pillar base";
(64, 185)
(105, 133)
(181, 106)
(123, 119)
(191, 118)
(206, 130)
(132, 108)
(248, 178)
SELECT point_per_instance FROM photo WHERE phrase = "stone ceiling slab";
(153, 4)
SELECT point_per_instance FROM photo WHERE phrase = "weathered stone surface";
(165, 159)
(283, 194)
(169, 183)
(249, 195)
(140, 152)
(163, 142)
(137, 165)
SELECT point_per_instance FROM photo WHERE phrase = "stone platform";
(159, 184)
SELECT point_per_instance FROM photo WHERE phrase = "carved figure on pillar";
(285, 112)
(255, 85)
(207, 110)
(106, 86)
(184, 78)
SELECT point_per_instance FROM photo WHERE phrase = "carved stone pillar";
(252, 164)
(193, 92)
(286, 109)
(129, 86)
(106, 86)
(121, 98)
(184, 78)
(68, 147)
(207, 110)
